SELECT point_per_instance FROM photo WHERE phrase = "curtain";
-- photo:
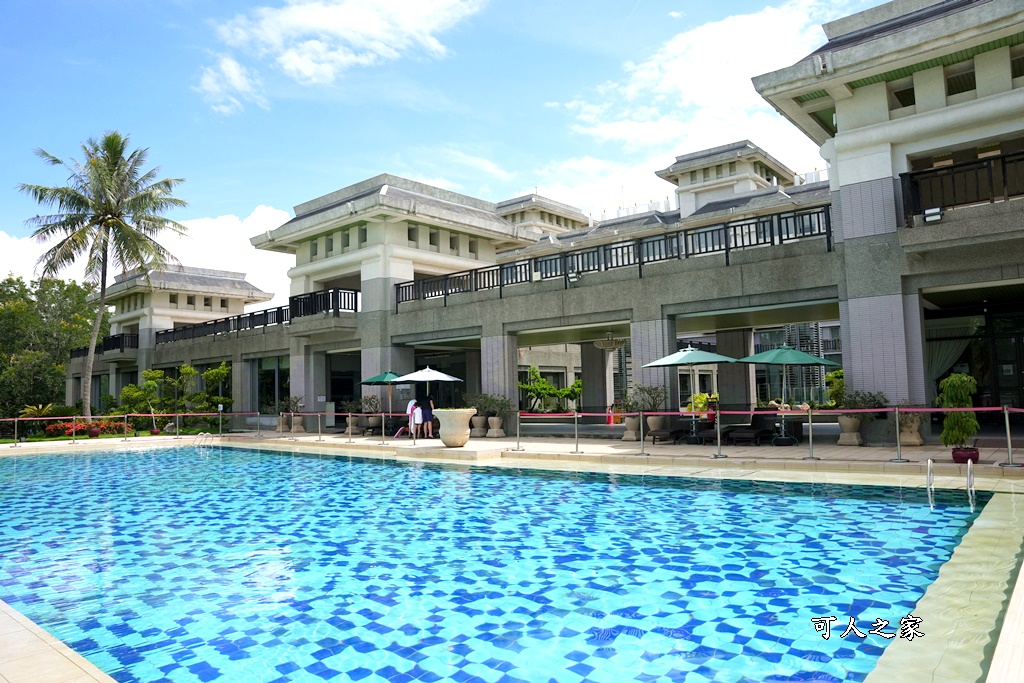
(942, 353)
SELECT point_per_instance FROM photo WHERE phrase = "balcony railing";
(992, 179)
(115, 342)
(762, 231)
(325, 301)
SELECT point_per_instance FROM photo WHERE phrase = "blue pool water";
(238, 565)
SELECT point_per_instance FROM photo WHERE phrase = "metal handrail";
(724, 238)
(992, 179)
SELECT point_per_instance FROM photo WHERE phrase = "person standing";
(409, 411)
(417, 420)
(428, 417)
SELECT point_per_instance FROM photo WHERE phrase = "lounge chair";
(761, 425)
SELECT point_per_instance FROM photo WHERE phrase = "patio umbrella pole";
(1009, 444)
(810, 436)
(899, 448)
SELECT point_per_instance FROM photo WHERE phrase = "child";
(417, 420)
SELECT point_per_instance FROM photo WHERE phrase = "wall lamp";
(573, 277)
(933, 214)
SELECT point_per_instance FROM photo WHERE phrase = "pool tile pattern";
(238, 565)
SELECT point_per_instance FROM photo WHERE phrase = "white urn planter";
(297, 424)
(849, 428)
(282, 423)
(495, 431)
(632, 432)
(454, 425)
(479, 423)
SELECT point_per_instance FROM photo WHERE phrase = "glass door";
(1008, 370)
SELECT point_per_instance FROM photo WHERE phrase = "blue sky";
(263, 105)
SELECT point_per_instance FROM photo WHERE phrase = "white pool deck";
(960, 611)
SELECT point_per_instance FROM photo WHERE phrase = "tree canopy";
(108, 213)
(40, 322)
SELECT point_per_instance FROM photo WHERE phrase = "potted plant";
(478, 422)
(290, 405)
(958, 427)
(352, 410)
(492, 409)
(650, 398)
(371, 406)
(850, 423)
(909, 425)
(628, 404)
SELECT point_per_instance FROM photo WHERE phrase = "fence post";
(1009, 444)
(718, 435)
(810, 437)
(518, 447)
(348, 427)
(383, 427)
(899, 446)
(74, 424)
(259, 425)
(125, 427)
(319, 432)
(641, 432)
(576, 430)
(177, 427)
(15, 433)
(292, 428)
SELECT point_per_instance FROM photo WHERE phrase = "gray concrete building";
(914, 244)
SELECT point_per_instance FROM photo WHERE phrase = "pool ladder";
(972, 492)
(203, 439)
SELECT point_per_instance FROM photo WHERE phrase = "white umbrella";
(426, 375)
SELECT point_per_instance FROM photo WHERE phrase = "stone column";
(499, 365)
(736, 380)
(651, 340)
(594, 364)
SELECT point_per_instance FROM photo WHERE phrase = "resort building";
(913, 243)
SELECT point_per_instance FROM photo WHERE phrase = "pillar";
(651, 340)
(499, 365)
(594, 364)
(736, 380)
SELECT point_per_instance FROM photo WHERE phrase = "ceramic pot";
(962, 455)
(93, 432)
(479, 423)
(632, 432)
(656, 422)
(849, 428)
(454, 426)
(495, 431)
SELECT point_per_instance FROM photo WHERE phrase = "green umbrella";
(383, 378)
(786, 355)
(690, 356)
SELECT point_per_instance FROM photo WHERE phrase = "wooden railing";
(993, 179)
(115, 342)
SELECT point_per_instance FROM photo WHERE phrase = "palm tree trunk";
(90, 357)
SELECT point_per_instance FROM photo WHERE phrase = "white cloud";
(677, 15)
(695, 92)
(220, 243)
(227, 84)
(477, 163)
(315, 41)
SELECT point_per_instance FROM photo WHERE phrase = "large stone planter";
(479, 423)
(632, 432)
(910, 429)
(454, 426)
(495, 431)
(656, 423)
(849, 428)
(297, 424)
(282, 423)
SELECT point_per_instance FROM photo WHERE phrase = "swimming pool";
(240, 565)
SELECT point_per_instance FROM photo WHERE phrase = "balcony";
(773, 229)
(985, 181)
(115, 342)
(326, 301)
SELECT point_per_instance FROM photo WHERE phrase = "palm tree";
(109, 212)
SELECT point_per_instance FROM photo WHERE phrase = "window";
(208, 301)
(312, 249)
(173, 299)
(190, 300)
(960, 78)
(330, 244)
(223, 303)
